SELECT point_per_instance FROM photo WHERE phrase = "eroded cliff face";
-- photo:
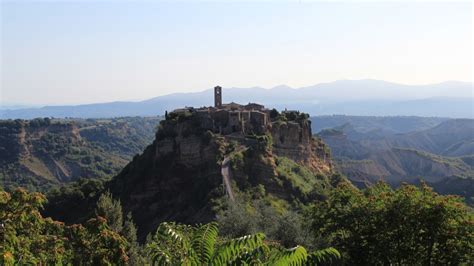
(18, 138)
(42, 153)
(178, 177)
(37, 151)
(174, 179)
(294, 140)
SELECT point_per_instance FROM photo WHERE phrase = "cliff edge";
(178, 177)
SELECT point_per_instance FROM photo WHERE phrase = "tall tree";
(111, 210)
(129, 231)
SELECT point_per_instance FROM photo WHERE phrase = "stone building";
(218, 96)
(231, 117)
(236, 118)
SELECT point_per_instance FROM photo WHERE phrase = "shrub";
(407, 226)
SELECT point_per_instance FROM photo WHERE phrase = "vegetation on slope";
(124, 136)
(300, 177)
(42, 153)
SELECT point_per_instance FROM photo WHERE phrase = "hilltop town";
(234, 118)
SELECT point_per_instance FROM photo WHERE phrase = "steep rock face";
(174, 179)
(178, 177)
(294, 140)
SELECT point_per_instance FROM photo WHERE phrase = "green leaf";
(237, 248)
(294, 256)
(324, 256)
(203, 242)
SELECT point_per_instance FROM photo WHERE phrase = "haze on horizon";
(85, 52)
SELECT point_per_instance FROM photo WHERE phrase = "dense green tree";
(406, 226)
(95, 244)
(129, 231)
(238, 218)
(22, 229)
(111, 210)
(291, 230)
(235, 220)
(26, 238)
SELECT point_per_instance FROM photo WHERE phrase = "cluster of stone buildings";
(232, 117)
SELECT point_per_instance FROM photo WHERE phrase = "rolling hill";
(390, 124)
(442, 155)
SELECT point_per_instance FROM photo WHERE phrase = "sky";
(64, 52)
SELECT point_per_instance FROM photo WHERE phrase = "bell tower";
(218, 96)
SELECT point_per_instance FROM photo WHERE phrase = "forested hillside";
(41, 153)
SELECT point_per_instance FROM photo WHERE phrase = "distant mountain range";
(353, 97)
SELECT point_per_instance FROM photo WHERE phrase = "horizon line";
(5, 106)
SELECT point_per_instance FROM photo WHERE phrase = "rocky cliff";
(294, 140)
(178, 177)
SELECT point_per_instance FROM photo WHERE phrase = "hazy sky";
(83, 52)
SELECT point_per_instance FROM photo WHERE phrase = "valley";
(42, 153)
(440, 155)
